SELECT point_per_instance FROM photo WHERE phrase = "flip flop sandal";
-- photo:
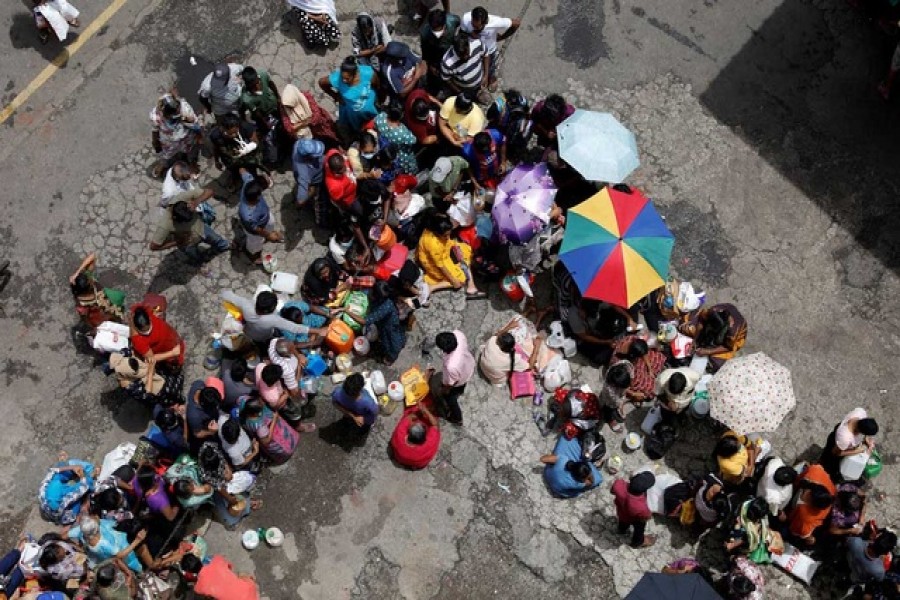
(476, 296)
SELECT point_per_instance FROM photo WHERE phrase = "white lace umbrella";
(751, 394)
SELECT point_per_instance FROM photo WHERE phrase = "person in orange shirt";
(217, 579)
(814, 504)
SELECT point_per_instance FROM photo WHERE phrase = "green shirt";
(185, 234)
(459, 164)
(264, 101)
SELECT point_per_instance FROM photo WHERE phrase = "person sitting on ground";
(102, 541)
(744, 580)
(713, 505)
(719, 332)
(866, 558)
(750, 532)
(174, 429)
(255, 216)
(260, 319)
(813, 504)
(632, 510)
(355, 403)
(566, 472)
(776, 486)
(181, 226)
(848, 514)
(93, 303)
(152, 490)
(292, 362)
(369, 38)
(154, 340)
(61, 561)
(853, 435)
(231, 498)
(202, 413)
(113, 580)
(446, 262)
(504, 354)
(277, 438)
(648, 363)
(187, 485)
(597, 328)
(614, 393)
(55, 17)
(150, 544)
(242, 452)
(417, 437)
(674, 389)
(384, 315)
(314, 317)
(318, 22)
(736, 456)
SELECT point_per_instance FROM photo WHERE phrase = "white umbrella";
(598, 146)
(751, 394)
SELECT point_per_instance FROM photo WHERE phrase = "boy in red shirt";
(417, 437)
(154, 340)
(632, 509)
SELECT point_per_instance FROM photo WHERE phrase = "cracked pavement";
(779, 189)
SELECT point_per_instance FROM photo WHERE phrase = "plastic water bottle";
(538, 398)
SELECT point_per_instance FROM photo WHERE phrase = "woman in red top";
(814, 504)
(154, 340)
(417, 438)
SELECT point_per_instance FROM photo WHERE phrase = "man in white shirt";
(490, 29)
(776, 486)
(178, 179)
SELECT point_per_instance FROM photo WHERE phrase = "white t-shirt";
(846, 439)
(172, 187)
(239, 451)
(776, 496)
(496, 26)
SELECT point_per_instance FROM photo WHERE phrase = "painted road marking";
(61, 59)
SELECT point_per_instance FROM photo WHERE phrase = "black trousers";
(451, 403)
(637, 533)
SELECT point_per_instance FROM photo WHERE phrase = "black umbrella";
(661, 586)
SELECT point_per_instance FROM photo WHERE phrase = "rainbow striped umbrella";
(617, 247)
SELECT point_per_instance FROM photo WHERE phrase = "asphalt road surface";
(763, 143)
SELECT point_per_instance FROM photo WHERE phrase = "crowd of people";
(402, 180)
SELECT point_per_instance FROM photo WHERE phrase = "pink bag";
(521, 385)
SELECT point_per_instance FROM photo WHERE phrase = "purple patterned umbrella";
(522, 203)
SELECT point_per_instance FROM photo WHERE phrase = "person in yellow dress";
(444, 260)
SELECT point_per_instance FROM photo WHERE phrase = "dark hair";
(784, 475)
(335, 161)
(366, 138)
(231, 431)
(353, 385)
(437, 19)
(208, 457)
(387, 155)
(81, 285)
(394, 110)
(480, 14)
(420, 109)
(446, 341)
(350, 65)
(820, 497)
(849, 500)
(868, 426)
(578, 469)
(618, 376)
(230, 121)
(51, 555)
(461, 44)
(677, 382)
(250, 76)
(253, 406)
(141, 318)
(727, 446)
(166, 419)
(506, 342)
(107, 499)
(757, 509)
(190, 563)
(637, 348)
(182, 213)
(440, 224)
(105, 575)
(183, 488)
(146, 477)
(209, 398)
(416, 434)
(365, 22)
(714, 330)
(463, 102)
(253, 190)
(554, 107)
(292, 313)
(266, 303)
(238, 369)
(482, 141)
(885, 542)
(721, 504)
(271, 374)
(381, 291)
(740, 586)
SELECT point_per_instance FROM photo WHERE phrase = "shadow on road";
(24, 34)
(802, 92)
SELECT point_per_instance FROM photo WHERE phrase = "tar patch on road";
(579, 32)
(702, 249)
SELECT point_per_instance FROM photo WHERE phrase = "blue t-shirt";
(394, 73)
(484, 166)
(364, 407)
(255, 216)
(560, 481)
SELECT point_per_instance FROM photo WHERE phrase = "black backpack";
(659, 441)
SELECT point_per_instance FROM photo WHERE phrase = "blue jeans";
(9, 567)
(216, 242)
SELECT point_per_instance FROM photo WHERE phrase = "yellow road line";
(61, 59)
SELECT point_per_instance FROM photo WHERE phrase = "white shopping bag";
(111, 337)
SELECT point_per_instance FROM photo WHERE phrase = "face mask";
(439, 34)
(257, 93)
(367, 155)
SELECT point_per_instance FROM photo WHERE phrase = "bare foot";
(256, 504)
(63, 456)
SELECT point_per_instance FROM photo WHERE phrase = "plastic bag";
(115, 458)
(873, 465)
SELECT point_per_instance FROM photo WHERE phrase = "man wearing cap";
(401, 70)
(460, 119)
(308, 161)
(446, 176)
(632, 510)
(220, 92)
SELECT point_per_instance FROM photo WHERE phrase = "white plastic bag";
(796, 563)
(111, 337)
(115, 458)
(241, 481)
(557, 335)
(557, 374)
(379, 385)
(688, 299)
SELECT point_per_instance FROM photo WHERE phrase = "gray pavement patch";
(578, 31)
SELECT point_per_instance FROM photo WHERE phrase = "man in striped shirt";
(464, 66)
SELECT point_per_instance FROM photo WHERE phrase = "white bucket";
(379, 385)
(396, 392)
(250, 539)
(700, 408)
(285, 283)
(852, 466)
(361, 345)
(269, 263)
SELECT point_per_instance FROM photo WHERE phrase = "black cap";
(221, 75)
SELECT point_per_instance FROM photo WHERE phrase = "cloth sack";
(796, 563)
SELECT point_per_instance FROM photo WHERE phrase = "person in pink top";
(458, 369)
(268, 382)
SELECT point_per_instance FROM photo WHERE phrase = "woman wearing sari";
(718, 331)
(318, 22)
(303, 118)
